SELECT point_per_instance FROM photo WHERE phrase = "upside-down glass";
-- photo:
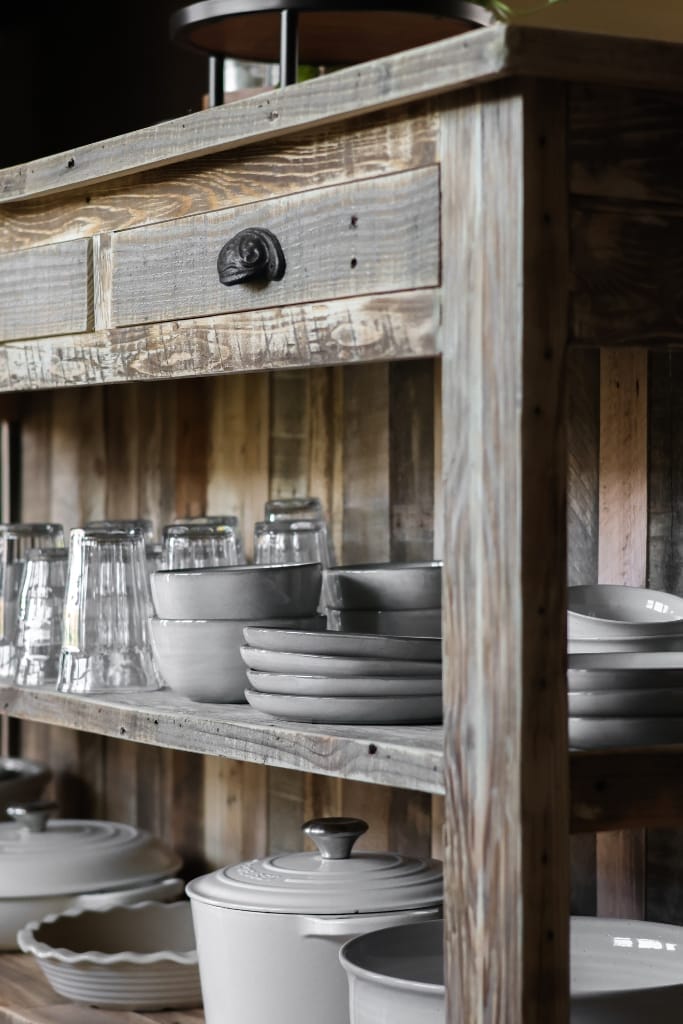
(146, 525)
(105, 640)
(219, 520)
(15, 540)
(301, 509)
(196, 547)
(40, 615)
(284, 541)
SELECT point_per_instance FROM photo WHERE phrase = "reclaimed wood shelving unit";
(471, 346)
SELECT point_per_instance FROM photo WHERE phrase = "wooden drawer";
(45, 291)
(377, 235)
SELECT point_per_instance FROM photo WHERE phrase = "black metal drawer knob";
(251, 255)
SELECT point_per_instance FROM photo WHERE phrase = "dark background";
(72, 73)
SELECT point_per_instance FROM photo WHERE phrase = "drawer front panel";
(376, 235)
(45, 291)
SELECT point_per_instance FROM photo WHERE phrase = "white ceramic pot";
(48, 866)
(269, 931)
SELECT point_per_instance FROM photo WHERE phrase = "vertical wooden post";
(504, 458)
(622, 558)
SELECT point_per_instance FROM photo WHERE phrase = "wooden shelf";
(27, 998)
(610, 789)
(406, 756)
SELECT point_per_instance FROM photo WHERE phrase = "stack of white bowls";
(392, 598)
(343, 678)
(200, 615)
(625, 666)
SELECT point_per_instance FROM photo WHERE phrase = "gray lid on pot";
(49, 858)
(332, 880)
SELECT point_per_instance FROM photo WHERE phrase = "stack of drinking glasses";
(293, 530)
(105, 640)
(16, 541)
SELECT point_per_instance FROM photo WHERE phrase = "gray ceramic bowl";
(424, 622)
(610, 611)
(238, 592)
(390, 586)
(200, 658)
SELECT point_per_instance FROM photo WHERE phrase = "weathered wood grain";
(583, 425)
(46, 291)
(374, 328)
(366, 536)
(406, 756)
(362, 148)
(625, 144)
(626, 789)
(411, 466)
(622, 558)
(416, 73)
(505, 725)
(665, 480)
(628, 268)
(370, 236)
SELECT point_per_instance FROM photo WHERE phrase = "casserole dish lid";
(332, 880)
(49, 858)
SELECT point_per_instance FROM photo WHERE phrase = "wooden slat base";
(27, 998)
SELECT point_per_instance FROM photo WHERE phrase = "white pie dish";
(337, 643)
(402, 710)
(138, 957)
(612, 670)
(648, 703)
(344, 686)
(284, 662)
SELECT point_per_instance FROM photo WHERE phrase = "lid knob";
(334, 837)
(32, 815)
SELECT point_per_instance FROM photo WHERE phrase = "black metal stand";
(289, 47)
(215, 81)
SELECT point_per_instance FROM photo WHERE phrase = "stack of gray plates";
(343, 678)
(625, 666)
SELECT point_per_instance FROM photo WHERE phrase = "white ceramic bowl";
(201, 659)
(611, 611)
(243, 592)
(396, 974)
(391, 586)
(419, 622)
(139, 957)
(625, 972)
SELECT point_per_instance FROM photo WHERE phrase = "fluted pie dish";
(137, 957)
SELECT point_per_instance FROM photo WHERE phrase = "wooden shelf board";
(386, 325)
(410, 757)
(27, 998)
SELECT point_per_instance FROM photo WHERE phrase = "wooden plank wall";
(625, 434)
(364, 439)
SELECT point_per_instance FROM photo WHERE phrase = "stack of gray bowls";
(392, 598)
(625, 666)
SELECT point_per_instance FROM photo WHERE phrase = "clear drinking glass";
(283, 541)
(218, 520)
(195, 547)
(298, 510)
(40, 615)
(105, 640)
(294, 508)
(146, 525)
(16, 539)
